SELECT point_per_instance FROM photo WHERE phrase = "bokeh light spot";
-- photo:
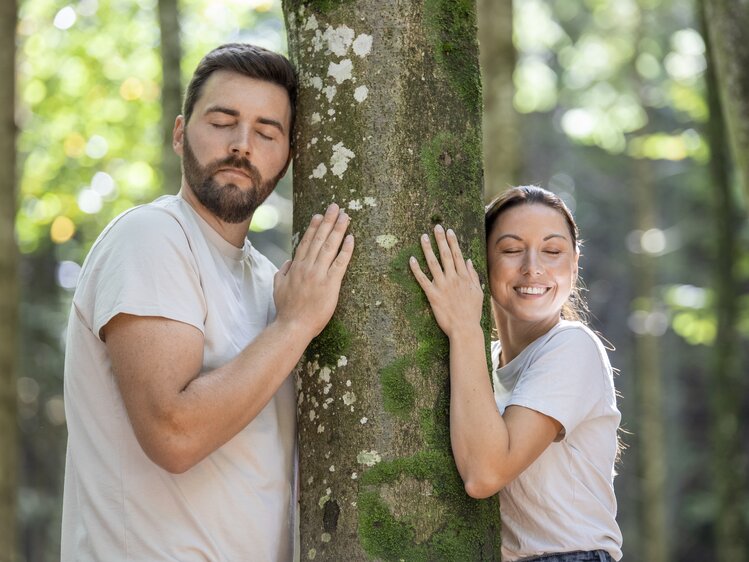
(62, 229)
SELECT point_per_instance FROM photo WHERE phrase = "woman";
(546, 436)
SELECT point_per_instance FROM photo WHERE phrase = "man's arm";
(181, 415)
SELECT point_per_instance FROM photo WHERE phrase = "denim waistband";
(576, 556)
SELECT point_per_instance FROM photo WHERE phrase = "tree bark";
(171, 91)
(497, 55)
(726, 392)
(728, 32)
(8, 285)
(389, 127)
(652, 456)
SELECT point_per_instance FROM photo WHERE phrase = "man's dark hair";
(251, 61)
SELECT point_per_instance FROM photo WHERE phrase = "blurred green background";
(610, 108)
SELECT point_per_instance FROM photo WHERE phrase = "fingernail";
(450, 232)
(342, 217)
(439, 228)
(425, 237)
(412, 259)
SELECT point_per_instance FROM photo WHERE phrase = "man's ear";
(178, 135)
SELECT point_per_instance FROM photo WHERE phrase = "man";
(181, 413)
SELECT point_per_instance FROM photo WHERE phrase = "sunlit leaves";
(610, 74)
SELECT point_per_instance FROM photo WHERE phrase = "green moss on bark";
(469, 532)
(323, 6)
(398, 395)
(333, 342)
(452, 33)
(451, 164)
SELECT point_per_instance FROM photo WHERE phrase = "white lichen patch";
(300, 399)
(329, 92)
(311, 23)
(340, 72)
(354, 205)
(362, 45)
(339, 39)
(325, 374)
(331, 468)
(331, 112)
(313, 141)
(348, 383)
(354, 476)
(316, 82)
(363, 420)
(368, 458)
(310, 479)
(311, 554)
(349, 398)
(361, 93)
(315, 118)
(325, 537)
(328, 402)
(340, 159)
(321, 428)
(327, 388)
(312, 415)
(325, 499)
(387, 241)
(342, 361)
(319, 172)
(295, 239)
(370, 201)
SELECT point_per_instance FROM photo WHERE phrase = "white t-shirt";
(237, 504)
(565, 500)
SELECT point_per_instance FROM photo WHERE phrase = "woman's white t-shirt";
(565, 500)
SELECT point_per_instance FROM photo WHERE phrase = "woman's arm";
(490, 450)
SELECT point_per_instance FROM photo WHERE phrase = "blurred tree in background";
(612, 109)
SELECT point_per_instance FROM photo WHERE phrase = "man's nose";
(241, 143)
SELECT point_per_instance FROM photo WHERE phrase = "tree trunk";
(499, 117)
(726, 392)
(389, 127)
(8, 285)
(171, 91)
(652, 455)
(728, 32)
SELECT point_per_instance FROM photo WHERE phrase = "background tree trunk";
(728, 32)
(389, 127)
(725, 380)
(500, 135)
(8, 285)
(171, 91)
(650, 434)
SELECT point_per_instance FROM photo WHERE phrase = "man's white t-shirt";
(237, 504)
(564, 501)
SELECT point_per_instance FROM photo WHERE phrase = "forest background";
(610, 104)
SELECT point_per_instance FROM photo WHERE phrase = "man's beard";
(228, 202)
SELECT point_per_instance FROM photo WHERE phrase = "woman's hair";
(575, 307)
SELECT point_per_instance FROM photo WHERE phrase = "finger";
(457, 255)
(285, 267)
(421, 278)
(332, 244)
(446, 256)
(340, 263)
(321, 235)
(303, 247)
(432, 263)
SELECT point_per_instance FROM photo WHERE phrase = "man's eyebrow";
(271, 122)
(221, 109)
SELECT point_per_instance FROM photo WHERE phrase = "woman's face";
(532, 263)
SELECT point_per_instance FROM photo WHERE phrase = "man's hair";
(249, 60)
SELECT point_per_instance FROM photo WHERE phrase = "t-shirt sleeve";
(565, 380)
(142, 265)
